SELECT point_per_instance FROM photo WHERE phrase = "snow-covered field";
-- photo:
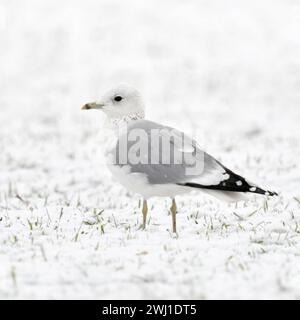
(230, 69)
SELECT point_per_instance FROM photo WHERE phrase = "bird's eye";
(118, 98)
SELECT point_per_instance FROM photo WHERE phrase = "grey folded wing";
(165, 155)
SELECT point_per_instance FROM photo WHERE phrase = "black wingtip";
(258, 190)
(246, 187)
(271, 193)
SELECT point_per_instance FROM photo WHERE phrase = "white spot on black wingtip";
(239, 183)
(226, 176)
(253, 189)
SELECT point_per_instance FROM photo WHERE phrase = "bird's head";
(122, 102)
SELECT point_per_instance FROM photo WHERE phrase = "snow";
(228, 70)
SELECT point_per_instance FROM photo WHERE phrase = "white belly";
(138, 183)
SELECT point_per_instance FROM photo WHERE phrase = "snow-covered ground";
(229, 69)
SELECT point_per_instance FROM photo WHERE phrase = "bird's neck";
(116, 122)
(115, 127)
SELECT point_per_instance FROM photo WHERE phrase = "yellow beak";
(92, 105)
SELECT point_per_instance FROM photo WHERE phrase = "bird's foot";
(142, 227)
(174, 235)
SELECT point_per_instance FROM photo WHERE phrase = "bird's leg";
(144, 211)
(173, 210)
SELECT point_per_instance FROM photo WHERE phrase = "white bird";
(151, 159)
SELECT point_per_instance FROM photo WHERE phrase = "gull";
(151, 159)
